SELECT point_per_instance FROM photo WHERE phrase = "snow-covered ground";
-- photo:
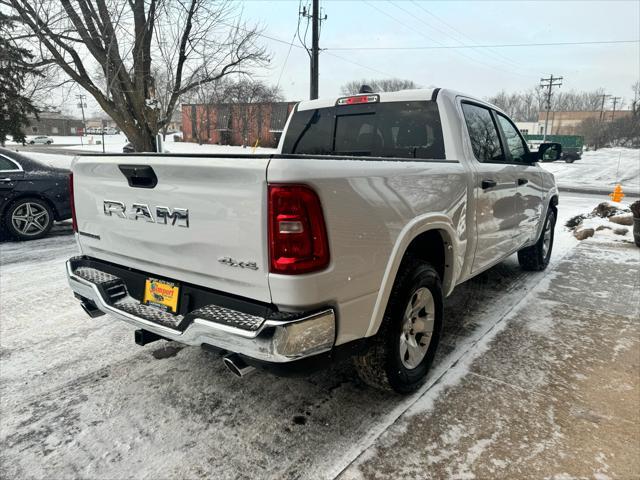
(60, 140)
(79, 399)
(600, 170)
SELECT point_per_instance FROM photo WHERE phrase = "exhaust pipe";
(90, 309)
(236, 365)
(142, 337)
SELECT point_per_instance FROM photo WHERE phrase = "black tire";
(21, 208)
(32, 142)
(536, 257)
(49, 142)
(381, 366)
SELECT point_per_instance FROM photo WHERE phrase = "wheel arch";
(433, 240)
(39, 196)
(551, 202)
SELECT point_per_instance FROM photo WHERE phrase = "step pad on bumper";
(233, 318)
(275, 337)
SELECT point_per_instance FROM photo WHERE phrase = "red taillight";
(74, 222)
(297, 234)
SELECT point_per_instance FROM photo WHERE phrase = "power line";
(502, 45)
(496, 55)
(420, 32)
(387, 74)
(430, 25)
(279, 40)
(293, 39)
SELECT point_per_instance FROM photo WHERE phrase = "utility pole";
(549, 83)
(615, 102)
(604, 97)
(316, 19)
(315, 49)
(82, 98)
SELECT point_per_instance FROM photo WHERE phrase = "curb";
(589, 191)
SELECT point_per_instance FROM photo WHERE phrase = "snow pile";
(608, 219)
(600, 170)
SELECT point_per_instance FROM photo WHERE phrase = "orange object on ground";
(617, 194)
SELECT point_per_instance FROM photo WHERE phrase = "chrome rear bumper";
(263, 339)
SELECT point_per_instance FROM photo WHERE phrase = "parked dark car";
(32, 196)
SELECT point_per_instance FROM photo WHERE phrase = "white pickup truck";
(343, 243)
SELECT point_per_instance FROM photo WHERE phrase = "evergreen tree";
(14, 67)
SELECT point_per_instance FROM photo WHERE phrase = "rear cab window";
(401, 130)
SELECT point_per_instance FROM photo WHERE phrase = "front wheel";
(28, 219)
(402, 351)
(536, 257)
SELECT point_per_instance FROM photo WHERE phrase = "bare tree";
(525, 106)
(196, 41)
(383, 85)
(635, 104)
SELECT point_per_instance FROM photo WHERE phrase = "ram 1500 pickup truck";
(343, 243)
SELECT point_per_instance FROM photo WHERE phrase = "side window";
(515, 144)
(6, 164)
(485, 140)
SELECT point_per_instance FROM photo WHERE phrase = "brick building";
(235, 124)
(53, 123)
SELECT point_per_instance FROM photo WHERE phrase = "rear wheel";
(28, 219)
(536, 257)
(402, 351)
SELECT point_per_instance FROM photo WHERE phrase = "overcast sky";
(479, 72)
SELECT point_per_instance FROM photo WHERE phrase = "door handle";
(488, 184)
(522, 181)
(140, 176)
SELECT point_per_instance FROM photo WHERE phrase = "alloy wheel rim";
(417, 328)
(30, 219)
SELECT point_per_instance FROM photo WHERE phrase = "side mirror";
(549, 152)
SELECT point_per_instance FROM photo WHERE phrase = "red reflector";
(74, 222)
(358, 99)
(297, 234)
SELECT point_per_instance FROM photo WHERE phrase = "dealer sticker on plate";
(161, 294)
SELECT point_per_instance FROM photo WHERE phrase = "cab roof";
(420, 94)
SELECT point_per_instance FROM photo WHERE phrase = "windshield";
(391, 129)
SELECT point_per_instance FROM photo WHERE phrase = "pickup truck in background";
(342, 244)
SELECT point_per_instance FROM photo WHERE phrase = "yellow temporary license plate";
(161, 294)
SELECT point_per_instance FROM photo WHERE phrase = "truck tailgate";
(226, 202)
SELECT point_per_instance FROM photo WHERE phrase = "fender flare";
(418, 226)
(550, 199)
